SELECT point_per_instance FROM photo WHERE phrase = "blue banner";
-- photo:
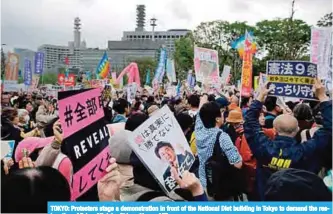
(39, 62)
(291, 78)
(27, 72)
(188, 207)
(160, 70)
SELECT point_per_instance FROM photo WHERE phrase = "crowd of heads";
(24, 116)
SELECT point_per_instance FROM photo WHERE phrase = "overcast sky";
(31, 23)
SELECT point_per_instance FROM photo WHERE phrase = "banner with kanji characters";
(12, 67)
(291, 78)
(225, 76)
(27, 72)
(206, 65)
(66, 80)
(39, 62)
(161, 145)
(246, 78)
(131, 90)
(321, 53)
(86, 137)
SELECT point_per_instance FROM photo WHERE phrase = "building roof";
(134, 45)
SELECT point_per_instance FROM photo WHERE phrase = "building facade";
(167, 38)
(54, 57)
(120, 54)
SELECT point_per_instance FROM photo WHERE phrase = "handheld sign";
(7, 148)
(161, 145)
(206, 65)
(291, 78)
(86, 137)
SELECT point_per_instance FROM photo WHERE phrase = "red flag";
(66, 60)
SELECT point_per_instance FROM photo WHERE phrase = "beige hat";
(119, 147)
(235, 116)
(151, 109)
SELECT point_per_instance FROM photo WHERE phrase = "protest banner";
(86, 137)
(160, 69)
(291, 78)
(27, 72)
(225, 77)
(256, 83)
(12, 86)
(66, 81)
(246, 78)
(206, 65)
(12, 67)
(39, 62)
(171, 72)
(131, 91)
(7, 148)
(99, 83)
(160, 144)
(321, 53)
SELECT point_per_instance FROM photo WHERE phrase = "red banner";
(246, 79)
(67, 81)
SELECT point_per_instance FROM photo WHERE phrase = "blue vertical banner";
(160, 70)
(292, 78)
(39, 62)
(27, 72)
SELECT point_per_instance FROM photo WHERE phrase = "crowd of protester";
(245, 148)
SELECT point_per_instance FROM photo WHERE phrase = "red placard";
(67, 81)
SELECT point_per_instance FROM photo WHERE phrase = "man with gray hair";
(284, 152)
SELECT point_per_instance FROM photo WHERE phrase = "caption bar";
(184, 207)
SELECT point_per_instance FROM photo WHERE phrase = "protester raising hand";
(319, 90)
(109, 186)
(57, 131)
(264, 91)
(7, 164)
(26, 162)
(188, 181)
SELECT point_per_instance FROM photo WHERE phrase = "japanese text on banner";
(291, 78)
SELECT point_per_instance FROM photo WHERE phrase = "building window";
(155, 36)
(173, 36)
(160, 36)
(139, 37)
(147, 36)
(130, 36)
(164, 37)
(134, 37)
(168, 36)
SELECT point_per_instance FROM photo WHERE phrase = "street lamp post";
(153, 24)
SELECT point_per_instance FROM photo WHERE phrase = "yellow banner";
(291, 79)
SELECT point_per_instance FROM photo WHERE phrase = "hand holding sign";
(319, 90)
(109, 186)
(264, 92)
(7, 163)
(188, 181)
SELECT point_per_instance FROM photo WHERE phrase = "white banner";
(161, 145)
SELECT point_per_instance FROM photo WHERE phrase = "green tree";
(183, 56)
(283, 39)
(218, 35)
(49, 78)
(326, 21)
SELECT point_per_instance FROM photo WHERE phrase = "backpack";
(249, 162)
(223, 180)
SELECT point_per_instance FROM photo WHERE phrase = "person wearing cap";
(296, 185)
(284, 152)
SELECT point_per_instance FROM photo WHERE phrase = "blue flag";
(147, 77)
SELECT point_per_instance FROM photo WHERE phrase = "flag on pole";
(239, 44)
(103, 67)
(178, 89)
(147, 77)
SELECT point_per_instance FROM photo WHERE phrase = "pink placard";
(89, 175)
(79, 111)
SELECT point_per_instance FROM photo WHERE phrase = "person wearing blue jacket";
(284, 152)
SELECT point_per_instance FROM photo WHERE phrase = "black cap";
(296, 185)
